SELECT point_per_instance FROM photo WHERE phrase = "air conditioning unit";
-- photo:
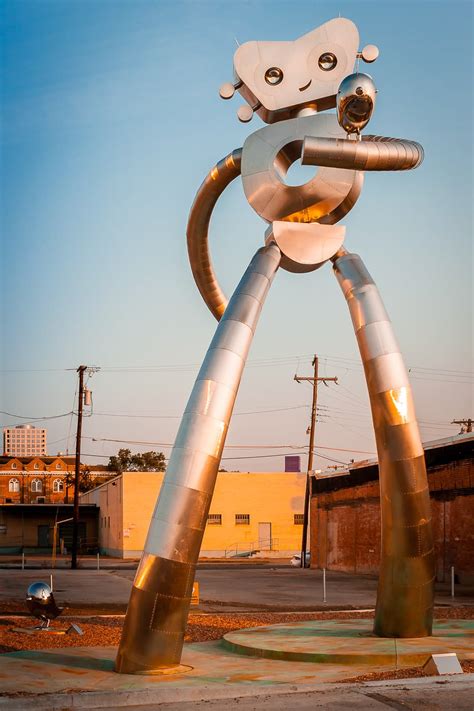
(40, 500)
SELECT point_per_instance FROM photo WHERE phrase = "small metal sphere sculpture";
(290, 86)
(41, 604)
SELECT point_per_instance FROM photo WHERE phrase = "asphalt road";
(431, 694)
(220, 589)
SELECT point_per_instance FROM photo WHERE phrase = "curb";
(148, 697)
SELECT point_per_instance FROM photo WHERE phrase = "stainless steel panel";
(393, 407)
(211, 399)
(370, 153)
(173, 541)
(182, 506)
(364, 308)
(222, 364)
(198, 228)
(274, 149)
(376, 339)
(401, 442)
(405, 592)
(247, 310)
(256, 285)
(351, 273)
(202, 433)
(154, 628)
(189, 467)
(386, 372)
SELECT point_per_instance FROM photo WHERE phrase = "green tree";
(125, 461)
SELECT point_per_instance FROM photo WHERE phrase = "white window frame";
(13, 486)
(37, 486)
(58, 486)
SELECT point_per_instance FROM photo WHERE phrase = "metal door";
(265, 535)
(43, 536)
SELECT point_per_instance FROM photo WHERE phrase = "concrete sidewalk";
(59, 680)
(221, 589)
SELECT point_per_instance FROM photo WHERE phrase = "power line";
(232, 446)
(178, 417)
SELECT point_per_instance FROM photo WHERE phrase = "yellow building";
(252, 511)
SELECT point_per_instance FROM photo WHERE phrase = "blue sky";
(111, 119)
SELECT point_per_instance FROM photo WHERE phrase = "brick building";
(345, 512)
(35, 480)
(35, 493)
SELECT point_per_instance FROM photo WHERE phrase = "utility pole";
(315, 380)
(464, 423)
(75, 516)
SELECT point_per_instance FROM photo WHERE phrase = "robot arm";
(370, 153)
(211, 189)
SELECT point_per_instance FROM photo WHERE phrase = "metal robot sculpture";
(289, 85)
(42, 605)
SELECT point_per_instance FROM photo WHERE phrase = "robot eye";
(327, 61)
(274, 76)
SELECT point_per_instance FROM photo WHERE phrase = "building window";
(58, 485)
(13, 465)
(58, 466)
(36, 485)
(214, 519)
(242, 519)
(14, 485)
(298, 519)
(36, 466)
(108, 517)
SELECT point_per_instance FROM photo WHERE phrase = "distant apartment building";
(24, 441)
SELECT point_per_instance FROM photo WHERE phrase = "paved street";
(281, 588)
(407, 695)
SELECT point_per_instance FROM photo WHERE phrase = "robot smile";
(303, 88)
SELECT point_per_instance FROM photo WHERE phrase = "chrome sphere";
(355, 102)
(40, 592)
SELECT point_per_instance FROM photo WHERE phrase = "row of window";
(36, 466)
(105, 521)
(244, 519)
(36, 485)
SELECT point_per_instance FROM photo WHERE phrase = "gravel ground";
(105, 631)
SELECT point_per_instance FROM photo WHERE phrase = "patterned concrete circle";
(349, 642)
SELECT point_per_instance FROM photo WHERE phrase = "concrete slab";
(350, 642)
(212, 672)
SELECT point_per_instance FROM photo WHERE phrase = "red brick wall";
(345, 524)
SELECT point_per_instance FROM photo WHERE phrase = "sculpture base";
(349, 642)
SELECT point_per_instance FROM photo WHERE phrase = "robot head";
(281, 79)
